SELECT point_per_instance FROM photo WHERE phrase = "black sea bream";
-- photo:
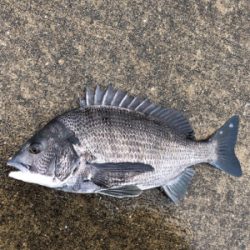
(119, 145)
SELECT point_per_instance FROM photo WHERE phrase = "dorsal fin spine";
(123, 100)
(141, 104)
(89, 96)
(135, 103)
(116, 93)
(155, 110)
(149, 108)
(120, 99)
(104, 97)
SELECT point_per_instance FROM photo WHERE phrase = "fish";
(119, 145)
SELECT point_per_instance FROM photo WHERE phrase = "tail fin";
(226, 138)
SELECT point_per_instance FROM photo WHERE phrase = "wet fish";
(118, 145)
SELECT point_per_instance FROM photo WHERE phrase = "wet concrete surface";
(190, 55)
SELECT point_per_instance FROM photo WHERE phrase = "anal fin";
(177, 188)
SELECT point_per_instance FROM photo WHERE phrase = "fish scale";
(130, 137)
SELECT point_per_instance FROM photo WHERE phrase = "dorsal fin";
(118, 98)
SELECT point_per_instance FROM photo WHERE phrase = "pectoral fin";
(177, 188)
(122, 192)
(111, 174)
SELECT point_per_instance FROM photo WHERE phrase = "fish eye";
(35, 148)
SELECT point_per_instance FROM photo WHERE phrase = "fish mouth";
(19, 166)
(23, 173)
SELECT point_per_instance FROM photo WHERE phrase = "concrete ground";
(190, 55)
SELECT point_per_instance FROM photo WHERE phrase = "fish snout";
(17, 164)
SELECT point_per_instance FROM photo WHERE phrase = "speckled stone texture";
(190, 55)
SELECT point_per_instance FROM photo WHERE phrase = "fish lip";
(19, 166)
(35, 178)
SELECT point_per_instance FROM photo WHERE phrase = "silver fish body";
(109, 134)
(119, 145)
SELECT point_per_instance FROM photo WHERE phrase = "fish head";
(48, 158)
